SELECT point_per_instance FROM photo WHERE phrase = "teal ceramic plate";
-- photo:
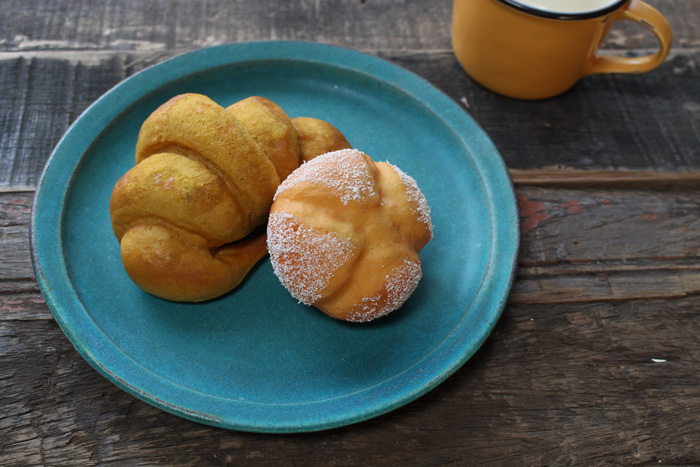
(256, 360)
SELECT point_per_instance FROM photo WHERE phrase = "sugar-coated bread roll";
(186, 214)
(344, 234)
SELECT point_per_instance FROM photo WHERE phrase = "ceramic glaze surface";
(255, 359)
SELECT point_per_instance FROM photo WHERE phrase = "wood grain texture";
(654, 124)
(183, 25)
(15, 209)
(589, 364)
(650, 245)
(58, 57)
(573, 178)
(608, 225)
(368, 25)
(657, 121)
(595, 358)
(593, 384)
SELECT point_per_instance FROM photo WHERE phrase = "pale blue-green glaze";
(256, 360)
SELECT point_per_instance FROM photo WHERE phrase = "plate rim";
(372, 66)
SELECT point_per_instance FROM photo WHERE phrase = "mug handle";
(651, 19)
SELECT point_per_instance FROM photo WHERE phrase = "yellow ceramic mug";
(533, 49)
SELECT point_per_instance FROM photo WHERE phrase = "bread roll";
(317, 137)
(186, 214)
(344, 235)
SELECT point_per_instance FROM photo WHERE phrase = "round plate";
(255, 359)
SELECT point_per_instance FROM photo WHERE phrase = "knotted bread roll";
(317, 137)
(344, 234)
(204, 179)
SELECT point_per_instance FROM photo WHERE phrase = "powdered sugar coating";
(419, 204)
(399, 284)
(348, 177)
(303, 258)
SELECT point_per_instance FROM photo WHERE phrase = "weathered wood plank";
(594, 361)
(183, 25)
(41, 98)
(578, 245)
(610, 285)
(573, 178)
(369, 25)
(654, 124)
(605, 383)
(608, 225)
(20, 298)
(15, 266)
(554, 383)
(591, 245)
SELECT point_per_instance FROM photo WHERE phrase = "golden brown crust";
(204, 179)
(317, 137)
(183, 191)
(272, 129)
(177, 265)
(197, 127)
(344, 235)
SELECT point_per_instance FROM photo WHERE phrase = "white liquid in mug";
(567, 6)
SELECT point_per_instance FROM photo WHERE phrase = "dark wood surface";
(596, 359)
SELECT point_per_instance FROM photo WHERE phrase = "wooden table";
(596, 359)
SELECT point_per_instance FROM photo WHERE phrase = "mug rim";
(563, 16)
